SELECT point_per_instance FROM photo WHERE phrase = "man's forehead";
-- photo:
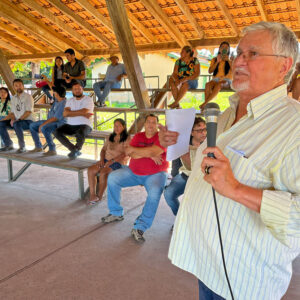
(255, 40)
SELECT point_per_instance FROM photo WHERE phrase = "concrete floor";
(53, 246)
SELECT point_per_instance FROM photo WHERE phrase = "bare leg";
(208, 90)
(296, 89)
(103, 181)
(173, 89)
(92, 172)
(182, 91)
(215, 90)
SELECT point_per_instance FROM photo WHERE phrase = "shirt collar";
(259, 105)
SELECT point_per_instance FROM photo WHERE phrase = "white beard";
(240, 87)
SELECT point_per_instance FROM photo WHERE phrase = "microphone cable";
(221, 243)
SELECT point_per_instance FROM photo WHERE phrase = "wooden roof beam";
(34, 26)
(9, 47)
(228, 16)
(155, 10)
(77, 19)
(262, 10)
(48, 15)
(298, 10)
(190, 17)
(6, 72)
(140, 27)
(17, 42)
(21, 36)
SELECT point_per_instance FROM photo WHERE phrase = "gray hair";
(285, 41)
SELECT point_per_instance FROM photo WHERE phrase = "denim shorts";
(114, 166)
(193, 84)
(228, 81)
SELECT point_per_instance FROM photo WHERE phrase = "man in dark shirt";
(74, 70)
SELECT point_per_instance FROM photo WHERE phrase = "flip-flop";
(93, 202)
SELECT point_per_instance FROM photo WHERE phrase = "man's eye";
(253, 54)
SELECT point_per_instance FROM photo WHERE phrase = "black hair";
(55, 66)
(227, 65)
(189, 50)
(6, 100)
(197, 121)
(123, 135)
(75, 82)
(70, 51)
(18, 80)
(60, 90)
(151, 115)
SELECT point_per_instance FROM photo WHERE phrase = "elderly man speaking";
(256, 175)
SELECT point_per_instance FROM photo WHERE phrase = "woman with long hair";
(221, 67)
(185, 75)
(5, 102)
(57, 79)
(112, 157)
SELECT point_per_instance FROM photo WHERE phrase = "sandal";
(93, 202)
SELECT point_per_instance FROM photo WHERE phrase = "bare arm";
(214, 64)
(186, 159)
(25, 115)
(84, 112)
(8, 117)
(81, 76)
(139, 152)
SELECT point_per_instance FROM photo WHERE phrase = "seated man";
(178, 183)
(78, 111)
(113, 80)
(55, 120)
(74, 70)
(19, 118)
(147, 167)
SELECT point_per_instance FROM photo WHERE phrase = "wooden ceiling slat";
(21, 36)
(48, 15)
(9, 47)
(76, 18)
(154, 8)
(262, 10)
(228, 16)
(187, 12)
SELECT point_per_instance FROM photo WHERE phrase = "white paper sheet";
(180, 120)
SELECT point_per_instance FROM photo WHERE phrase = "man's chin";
(240, 86)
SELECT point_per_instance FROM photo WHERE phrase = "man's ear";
(286, 66)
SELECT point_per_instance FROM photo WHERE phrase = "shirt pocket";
(249, 172)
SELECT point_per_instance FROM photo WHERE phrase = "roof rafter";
(262, 10)
(21, 36)
(48, 15)
(9, 47)
(17, 42)
(228, 16)
(190, 17)
(298, 10)
(76, 18)
(32, 25)
(155, 10)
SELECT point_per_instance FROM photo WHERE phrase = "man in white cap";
(113, 80)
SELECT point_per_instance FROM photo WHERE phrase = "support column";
(119, 20)
(6, 72)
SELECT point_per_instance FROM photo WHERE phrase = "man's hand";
(100, 163)
(88, 115)
(220, 174)
(40, 128)
(166, 137)
(12, 121)
(157, 159)
(119, 78)
(128, 150)
(219, 58)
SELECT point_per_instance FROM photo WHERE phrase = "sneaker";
(99, 104)
(36, 150)
(111, 218)
(7, 148)
(50, 153)
(21, 150)
(74, 154)
(137, 234)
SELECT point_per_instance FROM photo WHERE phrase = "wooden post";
(119, 19)
(6, 72)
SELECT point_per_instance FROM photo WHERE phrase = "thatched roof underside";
(39, 29)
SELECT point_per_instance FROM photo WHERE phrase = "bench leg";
(21, 171)
(81, 184)
(10, 169)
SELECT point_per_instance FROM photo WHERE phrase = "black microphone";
(211, 113)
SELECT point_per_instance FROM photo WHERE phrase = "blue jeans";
(173, 191)
(206, 294)
(154, 185)
(106, 86)
(47, 131)
(193, 84)
(46, 90)
(18, 126)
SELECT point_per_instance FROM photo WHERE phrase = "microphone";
(211, 113)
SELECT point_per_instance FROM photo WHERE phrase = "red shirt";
(146, 165)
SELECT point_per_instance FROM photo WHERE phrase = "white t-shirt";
(73, 104)
(22, 103)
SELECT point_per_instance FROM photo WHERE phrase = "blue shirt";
(114, 71)
(57, 111)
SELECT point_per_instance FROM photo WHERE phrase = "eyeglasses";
(253, 55)
(200, 130)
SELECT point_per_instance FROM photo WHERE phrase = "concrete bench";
(59, 162)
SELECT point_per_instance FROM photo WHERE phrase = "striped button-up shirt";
(264, 152)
